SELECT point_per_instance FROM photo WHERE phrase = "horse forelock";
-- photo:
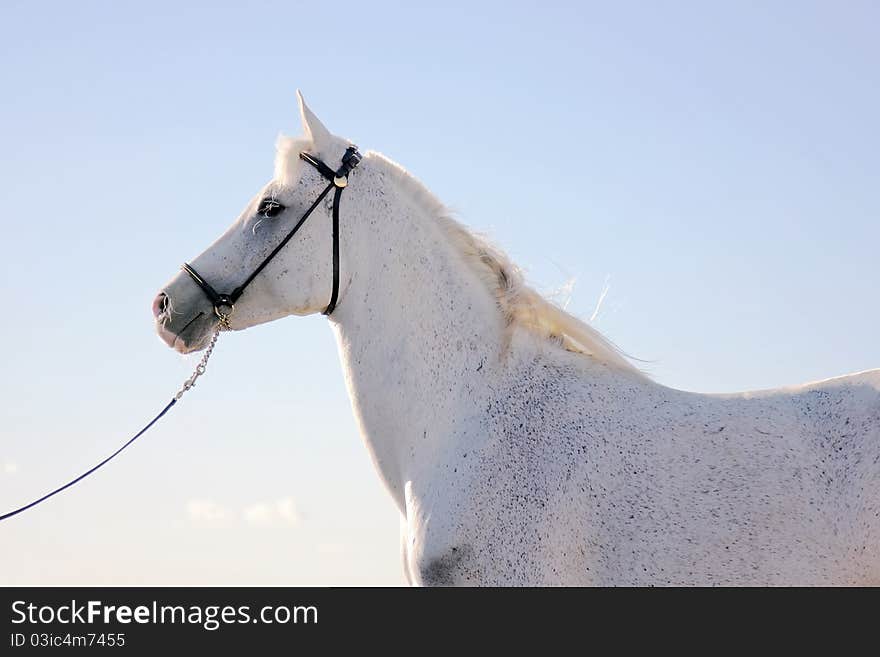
(287, 162)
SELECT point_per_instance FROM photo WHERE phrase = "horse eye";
(270, 208)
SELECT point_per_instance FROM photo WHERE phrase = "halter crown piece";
(338, 181)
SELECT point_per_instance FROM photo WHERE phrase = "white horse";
(519, 446)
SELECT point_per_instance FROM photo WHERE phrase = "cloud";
(281, 513)
(207, 512)
(9, 468)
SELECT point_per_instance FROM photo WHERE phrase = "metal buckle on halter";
(225, 301)
(349, 161)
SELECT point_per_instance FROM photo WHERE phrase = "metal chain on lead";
(203, 364)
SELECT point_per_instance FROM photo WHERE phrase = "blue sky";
(716, 163)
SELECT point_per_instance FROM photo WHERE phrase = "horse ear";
(312, 127)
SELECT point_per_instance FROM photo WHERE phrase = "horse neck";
(419, 335)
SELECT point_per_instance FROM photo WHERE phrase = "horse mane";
(520, 304)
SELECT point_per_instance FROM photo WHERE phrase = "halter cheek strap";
(224, 304)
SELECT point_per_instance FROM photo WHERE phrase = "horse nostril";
(160, 304)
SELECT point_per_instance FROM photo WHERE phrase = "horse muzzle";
(183, 332)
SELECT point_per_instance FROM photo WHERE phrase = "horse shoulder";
(437, 548)
(494, 508)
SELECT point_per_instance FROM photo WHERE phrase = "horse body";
(602, 479)
(514, 461)
(518, 446)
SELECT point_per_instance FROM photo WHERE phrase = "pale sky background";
(717, 162)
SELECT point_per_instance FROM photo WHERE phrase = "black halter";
(338, 181)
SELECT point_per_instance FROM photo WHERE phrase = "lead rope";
(223, 325)
(338, 180)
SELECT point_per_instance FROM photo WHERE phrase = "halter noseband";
(338, 181)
